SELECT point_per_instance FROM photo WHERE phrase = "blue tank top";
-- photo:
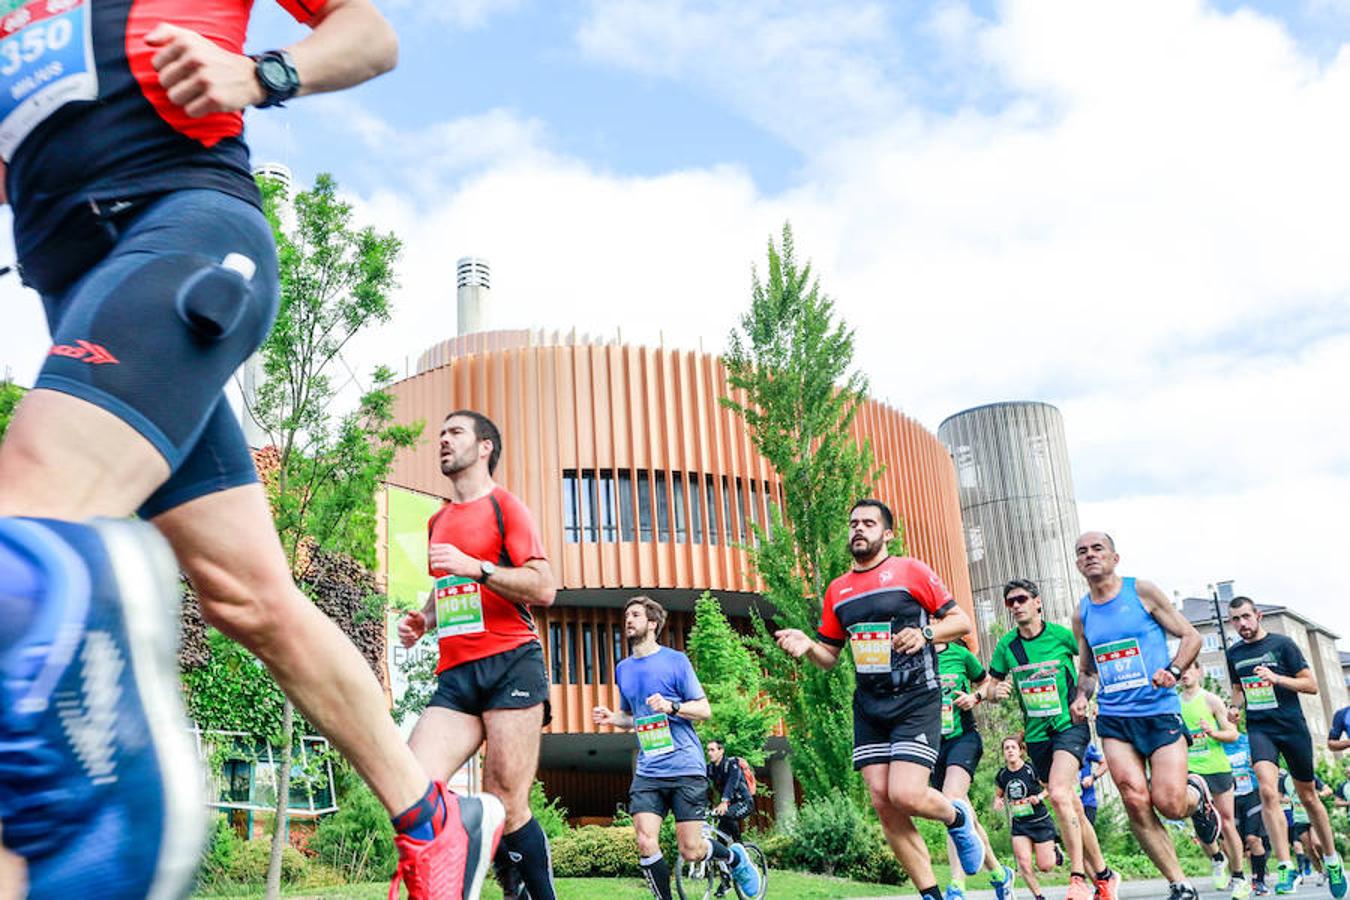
(1129, 646)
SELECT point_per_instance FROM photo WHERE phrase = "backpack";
(748, 774)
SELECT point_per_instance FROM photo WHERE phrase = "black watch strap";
(276, 72)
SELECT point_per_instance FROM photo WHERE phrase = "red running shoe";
(453, 864)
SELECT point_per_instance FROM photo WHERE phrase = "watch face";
(273, 73)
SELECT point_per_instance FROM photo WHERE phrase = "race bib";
(1040, 698)
(1120, 666)
(1023, 807)
(654, 737)
(1242, 783)
(871, 643)
(459, 606)
(1300, 813)
(1260, 693)
(948, 710)
(1199, 744)
(46, 61)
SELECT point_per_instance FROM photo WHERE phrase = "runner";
(1122, 626)
(1338, 738)
(138, 222)
(1268, 673)
(1247, 804)
(488, 560)
(962, 676)
(1018, 788)
(660, 698)
(1094, 767)
(1210, 732)
(734, 800)
(1039, 657)
(891, 610)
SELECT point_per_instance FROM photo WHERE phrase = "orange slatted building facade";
(641, 482)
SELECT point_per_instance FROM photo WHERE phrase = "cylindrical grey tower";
(1017, 506)
(474, 288)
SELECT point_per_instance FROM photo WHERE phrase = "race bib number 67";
(46, 61)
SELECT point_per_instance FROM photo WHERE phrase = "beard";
(450, 468)
(866, 550)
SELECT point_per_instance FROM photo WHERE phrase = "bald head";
(1094, 554)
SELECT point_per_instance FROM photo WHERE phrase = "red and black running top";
(83, 116)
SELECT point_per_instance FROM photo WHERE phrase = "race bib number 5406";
(46, 61)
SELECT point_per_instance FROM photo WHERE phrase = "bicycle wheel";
(761, 864)
(695, 880)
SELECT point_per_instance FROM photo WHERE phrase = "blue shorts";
(1147, 734)
(120, 343)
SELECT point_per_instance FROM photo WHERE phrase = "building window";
(644, 499)
(1211, 641)
(712, 510)
(626, 504)
(677, 498)
(602, 651)
(617, 635)
(573, 670)
(555, 652)
(609, 522)
(744, 511)
(588, 654)
(590, 513)
(728, 518)
(571, 500)
(695, 510)
(662, 509)
(1215, 672)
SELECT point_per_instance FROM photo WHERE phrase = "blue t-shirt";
(1239, 755)
(1091, 756)
(1339, 725)
(1128, 646)
(668, 746)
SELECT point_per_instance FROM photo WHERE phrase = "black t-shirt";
(1270, 707)
(727, 779)
(1018, 789)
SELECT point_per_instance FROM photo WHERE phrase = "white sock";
(1332, 860)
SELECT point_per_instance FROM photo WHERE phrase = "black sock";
(1218, 857)
(657, 873)
(425, 818)
(1259, 867)
(931, 893)
(1104, 874)
(529, 853)
(959, 821)
(718, 851)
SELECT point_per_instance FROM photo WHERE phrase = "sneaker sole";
(489, 836)
(143, 564)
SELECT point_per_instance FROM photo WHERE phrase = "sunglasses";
(1010, 602)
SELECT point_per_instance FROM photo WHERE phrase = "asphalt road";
(1139, 890)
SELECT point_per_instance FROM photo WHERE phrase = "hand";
(1003, 689)
(1078, 708)
(201, 76)
(794, 642)
(1207, 728)
(909, 641)
(602, 715)
(965, 701)
(720, 809)
(453, 561)
(411, 628)
(1164, 679)
(1087, 782)
(998, 802)
(660, 704)
(1265, 673)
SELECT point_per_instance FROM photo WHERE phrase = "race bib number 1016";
(46, 61)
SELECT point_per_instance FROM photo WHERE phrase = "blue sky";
(1132, 210)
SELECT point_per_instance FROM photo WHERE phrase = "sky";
(1135, 211)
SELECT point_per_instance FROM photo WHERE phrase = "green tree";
(10, 395)
(743, 717)
(336, 280)
(790, 364)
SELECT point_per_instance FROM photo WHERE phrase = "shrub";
(358, 839)
(550, 814)
(596, 851)
(249, 865)
(222, 848)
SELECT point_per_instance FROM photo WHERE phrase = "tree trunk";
(283, 796)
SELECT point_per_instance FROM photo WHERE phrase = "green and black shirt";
(1043, 674)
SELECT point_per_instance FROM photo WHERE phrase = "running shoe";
(1260, 889)
(1108, 888)
(1218, 870)
(100, 785)
(1079, 889)
(1183, 892)
(1288, 879)
(453, 864)
(969, 847)
(746, 875)
(1336, 878)
(955, 892)
(1206, 817)
(1003, 884)
(1239, 889)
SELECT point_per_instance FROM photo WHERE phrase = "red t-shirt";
(474, 528)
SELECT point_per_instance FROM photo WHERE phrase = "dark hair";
(1017, 739)
(1025, 584)
(1241, 601)
(718, 741)
(655, 611)
(483, 430)
(886, 518)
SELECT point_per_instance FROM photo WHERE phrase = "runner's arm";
(1172, 621)
(1304, 682)
(699, 710)
(797, 643)
(1227, 732)
(531, 583)
(1336, 737)
(1087, 666)
(351, 43)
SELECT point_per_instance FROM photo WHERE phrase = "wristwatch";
(674, 707)
(927, 632)
(275, 71)
(1176, 672)
(488, 570)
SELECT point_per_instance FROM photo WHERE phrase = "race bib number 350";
(46, 61)
(1120, 666)
(459, 607)
(871, 643)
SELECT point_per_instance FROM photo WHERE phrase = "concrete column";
(784, 792)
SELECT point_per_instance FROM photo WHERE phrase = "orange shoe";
(1108, 888)
(1079, 888)
(453, 864)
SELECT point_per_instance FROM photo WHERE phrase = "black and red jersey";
(866, 609)
(83, 117)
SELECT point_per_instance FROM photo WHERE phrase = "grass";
(782, 886)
